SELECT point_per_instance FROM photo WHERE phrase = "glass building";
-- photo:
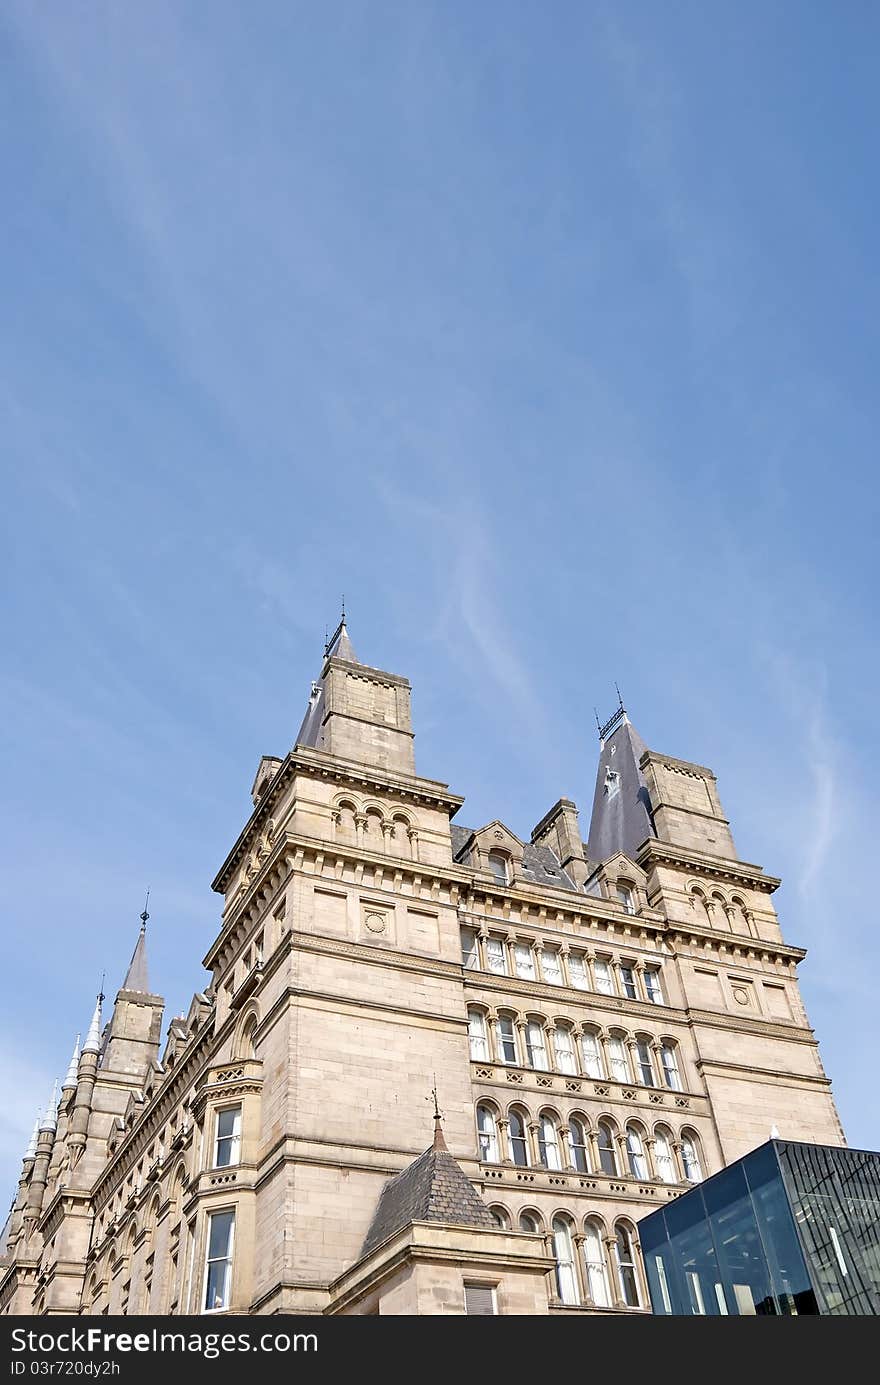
(790, 1228)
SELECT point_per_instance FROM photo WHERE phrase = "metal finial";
(438, 1114)
(101, 996)
(343, 608)
(145, 915)
(619, 698)
(598, 722)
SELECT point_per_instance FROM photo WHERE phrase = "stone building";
(605, 1022)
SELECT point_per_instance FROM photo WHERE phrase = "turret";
(135, 1027)
(39, 1173)
(87, 1069)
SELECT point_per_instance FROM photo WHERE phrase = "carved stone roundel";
(740, 996)
(375, 923)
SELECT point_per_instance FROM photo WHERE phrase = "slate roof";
(539, 863)
(432, 1188)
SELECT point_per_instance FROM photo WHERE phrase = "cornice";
(737, 944)
(717, 867)
(165, 1098)
(318, 764)
(716, 1019)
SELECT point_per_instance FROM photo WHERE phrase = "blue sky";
(549, 335)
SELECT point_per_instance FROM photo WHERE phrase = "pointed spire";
(93, 1038)
(339, 646)
(50, 1119)
(73, 1070)
(31, 1151)
(621, 818)
(136, 978)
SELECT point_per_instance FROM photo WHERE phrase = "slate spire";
(338, 646)
(137, 978)
(621, 818)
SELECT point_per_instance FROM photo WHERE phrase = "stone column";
(611, 1257)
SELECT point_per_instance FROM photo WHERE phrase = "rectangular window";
(470, 956)
(507, 1040)
(602, 973)
(695, 1293)
(479, 1299)
(577, 971)
(218, 1266)
(227, 1146)
(653, 989)
(536, 1048)
(625, 896)
(525, 961)
(551, 966)
(628, 982)
(646, 1067)
(495, 958)
(592, 1055)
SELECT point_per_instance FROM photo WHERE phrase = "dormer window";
(626, 897)
(499, 866)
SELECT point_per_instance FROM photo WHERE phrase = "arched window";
(477, 1036)
(530, 1221)
(246, 1044)
(690, 1158)
(701, 908)
(535, 1046)
(401, 829)
(607, 1149)
(488, 1134)
(635, 1151)
(738, 917)
(373, 837)
(720, 905)
(498, 865)
(626, 896)
(669, 1063)
(548, 1142)
(644, 1063)
(563, 1043)
(663, 1156)
(591, 1052)
(595, 1265)
(506, 1034)
(617, 1058)
(577, 1144)
(519, 1145)
(626, 1266)
(345, 828)
(563, 1251)
(500, 1217)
